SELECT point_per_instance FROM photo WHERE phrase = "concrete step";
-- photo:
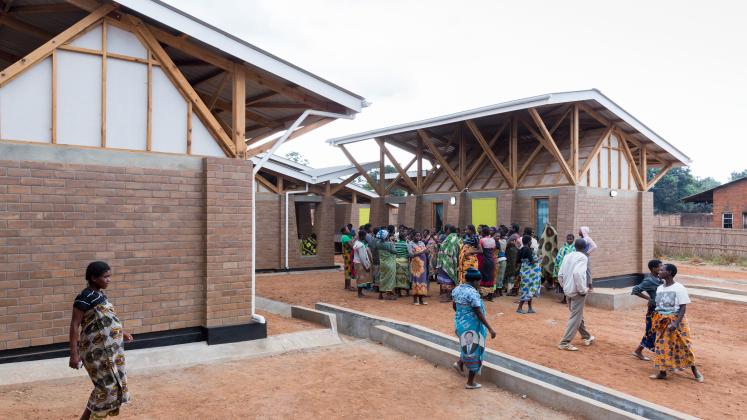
(178, 355)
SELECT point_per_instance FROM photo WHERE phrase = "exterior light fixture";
(452, 200)
(613, 193)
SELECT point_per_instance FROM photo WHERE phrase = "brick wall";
(166, 229)
(616, 225)
(269, 226)
(228, 241)
(730, 199)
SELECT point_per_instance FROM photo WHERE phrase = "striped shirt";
(88, 299)
(401, 248)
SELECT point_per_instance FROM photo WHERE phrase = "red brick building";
(570, 159)
(125, 129)
(729, 204)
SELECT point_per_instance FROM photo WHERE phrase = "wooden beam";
(189, 128)
(439, 157)
(279, 105)
(659, 176)
(24, 27)
(334, 190)
(202, 79)
(176, 76)
(595, 150)
(260, 97)
(103, 84)
(419, 157)
(382, 169)
(238, 114)
(400, 177)
(46, 49)
(216, 95)
(594, 114)
(551, 146)
(362, 171)
(489, 153)
(575, 134)
(87, 5)
(644, 164)
(525, 167)
(54, 97)
(298, 133)
(632, 167)
(149, 123)
(462, 154)
(513, 149)
(267, 184)
(402, 172)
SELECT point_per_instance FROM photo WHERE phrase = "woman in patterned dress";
(531, 275)
(96, 342)
(448, 263)
(418, 253)
(347, 242)
(468, 254)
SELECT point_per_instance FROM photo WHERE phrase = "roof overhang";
(521, 104)
(309, 175)
(229, 44)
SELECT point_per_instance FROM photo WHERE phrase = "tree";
(738, 175)
(677, 184)
(297, 157)
(374, 174)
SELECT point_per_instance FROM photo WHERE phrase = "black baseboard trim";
(217, 335)
(234, 333)
(623, 280)
(282, 270)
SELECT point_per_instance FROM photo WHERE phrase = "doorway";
(438, 216)
(541, 215)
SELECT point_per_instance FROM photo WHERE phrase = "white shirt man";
(573, 277)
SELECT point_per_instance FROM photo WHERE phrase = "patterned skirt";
(402, 279)
(102, 351)
(673, 349)
(531, 279)
(419, 275)
(363, 277)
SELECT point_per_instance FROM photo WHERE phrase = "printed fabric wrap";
(387, 267)
(102, 350)
(467, 261)
(548, 250)
(562, 252)
(449, 259)
(419, 272)
(531, 279)
(673, 349)
(469, 329)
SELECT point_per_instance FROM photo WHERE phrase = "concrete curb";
(324, 319)
(361, 324)
(549, 395)
(273, 306)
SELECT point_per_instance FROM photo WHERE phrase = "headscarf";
(590, 244)
(471, 240)
(383, 234)
(472, 274)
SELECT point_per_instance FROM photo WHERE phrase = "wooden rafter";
(659, 176)
(549, 143)
(279, 105)
(238, 114)
(260, 97)
(643, 164)
(267, 183)
(595, 150)
(575, 129)
(399, 169)
(594, 114)
(478, 163)
(374, 185)
(224, 105)
(214, 97)
(176, 76)
(633, 168)
(334, 190)
(513, 148)
(401, 177)
(530, 160)
(46, 49)
(202, 79)
(35, 9)
(439, 157)
(489, 153)
(299, 132)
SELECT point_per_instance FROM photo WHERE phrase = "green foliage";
(738, 175)
(374, 174)
(676, 185)
(297, 157)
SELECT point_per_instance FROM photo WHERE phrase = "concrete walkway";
(179, 355)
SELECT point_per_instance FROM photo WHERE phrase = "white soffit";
(180, 21)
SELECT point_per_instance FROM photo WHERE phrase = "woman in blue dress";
(531, 276)
(471, 325)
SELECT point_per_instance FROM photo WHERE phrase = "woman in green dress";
(387, 265)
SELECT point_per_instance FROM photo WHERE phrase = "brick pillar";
(465, 209)
(505, 203)
(566, 212)
(420, 212)
(408, 217)
(646, 220)
(379, 212)
(228, 251)
(325, 235)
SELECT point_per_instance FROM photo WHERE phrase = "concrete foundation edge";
(361, 324)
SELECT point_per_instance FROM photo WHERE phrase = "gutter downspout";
(279, 142)
(287, 196)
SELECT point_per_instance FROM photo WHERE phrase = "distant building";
(729, 204)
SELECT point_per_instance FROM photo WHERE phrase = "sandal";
(475, 386)
(658, 376)
(641, 357)
(521, 311)
(531, 311)
(699, 377)
(569, 347)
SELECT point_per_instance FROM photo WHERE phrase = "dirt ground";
(718, 329)
(358, 380)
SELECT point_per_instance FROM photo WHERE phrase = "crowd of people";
(477, 264)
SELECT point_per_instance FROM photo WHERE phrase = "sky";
(680, 67)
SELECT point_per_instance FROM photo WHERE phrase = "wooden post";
(54, 97)
(149, 124)
(355, 198)
(382, 169)
(419, 157)
(103, 84)
(513, 150)
(644, 165)
(574, 140)
(462, 154)
(239, 111)
(189, 128)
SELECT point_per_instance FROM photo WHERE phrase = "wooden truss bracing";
(554, 146)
